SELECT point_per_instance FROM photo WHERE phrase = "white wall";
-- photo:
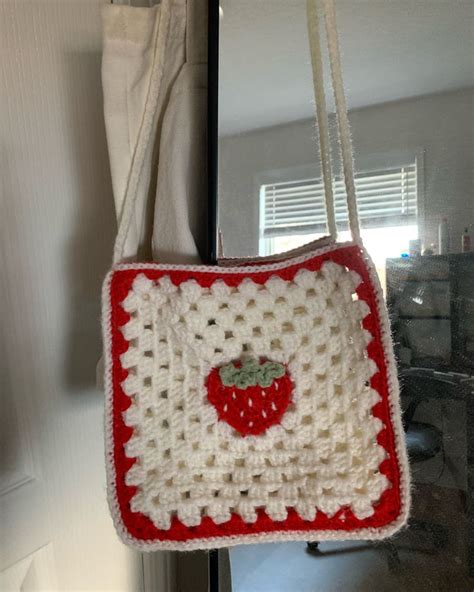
(442, 125)
(57, 226)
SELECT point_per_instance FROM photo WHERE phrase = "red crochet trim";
(253, 410)
(386, 511)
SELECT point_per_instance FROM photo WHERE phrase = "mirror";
(409, 79)
(404, 65)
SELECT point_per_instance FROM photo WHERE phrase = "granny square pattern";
(250, 404)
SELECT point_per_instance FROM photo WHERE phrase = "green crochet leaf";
(251, 373)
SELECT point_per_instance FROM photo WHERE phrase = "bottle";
(465, 241)
(443, 235)
(414, 247)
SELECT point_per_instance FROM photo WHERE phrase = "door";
(56, 239)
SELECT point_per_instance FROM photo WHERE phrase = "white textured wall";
(442, 125)
(57, 227)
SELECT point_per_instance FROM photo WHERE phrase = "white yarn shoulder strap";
(342, 118)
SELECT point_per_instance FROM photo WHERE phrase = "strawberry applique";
(250, 395)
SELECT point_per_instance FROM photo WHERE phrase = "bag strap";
(342, 119)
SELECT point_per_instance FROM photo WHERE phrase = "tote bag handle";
(342, 119)
(144, 133)
(344, 137)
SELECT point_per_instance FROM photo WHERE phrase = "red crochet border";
(140, 526)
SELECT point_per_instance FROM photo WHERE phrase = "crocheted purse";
(256, 401)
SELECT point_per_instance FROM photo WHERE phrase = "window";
(293, 213)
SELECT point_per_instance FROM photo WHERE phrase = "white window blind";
(384, 198)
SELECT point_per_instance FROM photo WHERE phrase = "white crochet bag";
(256, 401)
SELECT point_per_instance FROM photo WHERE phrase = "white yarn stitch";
(323, 456)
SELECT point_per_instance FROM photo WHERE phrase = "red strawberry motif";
(250, 396)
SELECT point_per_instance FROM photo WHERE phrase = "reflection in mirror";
(407, 69)
(409, 78)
